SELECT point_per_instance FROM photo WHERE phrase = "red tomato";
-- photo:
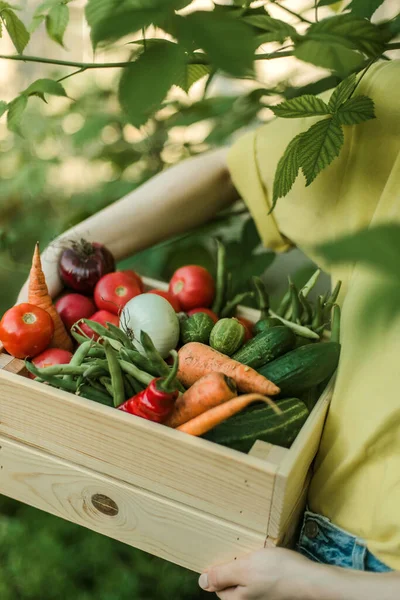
(73, 307)
(26, 330)
(50, 357)
(207, 311)
(248, 327)
(193, 286)
(173, 300)
(136, 277)
(114, 290)
(102, 317)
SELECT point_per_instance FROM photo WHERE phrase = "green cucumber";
(264, 324)
(196, 328)
(303, 368)
(227, 336)
(266, 346)
(242, 431)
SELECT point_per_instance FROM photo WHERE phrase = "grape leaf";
(364, 8)
(341, 93)
(56, 23)
(355, 110)
(16, 109)
(140, 93)
(16, 29)
(46, 86)
(3, 107)
(278, 30)
(229, 44)
(287, 170)
(190, 74)
(329, 55)
(319, 146)
(303, 106)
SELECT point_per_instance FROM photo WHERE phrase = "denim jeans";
(324, 542)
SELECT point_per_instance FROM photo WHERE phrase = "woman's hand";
(269, 574)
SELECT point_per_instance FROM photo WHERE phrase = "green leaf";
(350, 31)
(286, 171)
(278, 30)
(56, 23)
(44, 7)
(16, 109)
(320, 145)
(355, 110)
(377, 247)
(16, 29)
(250, 237)
(327, 2)
(329, 55)
(140, 91)
(364, 8)
(341, 93)
(45, 86)
(36, 22)
(394, 25)
(228, 43)
(190, 74)
(303, 106)
(120, 24)
(3, 107)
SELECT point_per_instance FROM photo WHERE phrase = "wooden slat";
(162, 527)
(294, 468)
(208, 477)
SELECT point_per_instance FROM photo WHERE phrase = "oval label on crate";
(105, 505)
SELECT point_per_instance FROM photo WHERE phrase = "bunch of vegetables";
(127, 338)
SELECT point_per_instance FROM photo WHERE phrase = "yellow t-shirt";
(357, 475)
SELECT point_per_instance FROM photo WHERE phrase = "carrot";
(209, 391)
(213, 417)
(196, 360)
(39, 296)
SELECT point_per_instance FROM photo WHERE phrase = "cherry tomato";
(73, 307)
(102, 317)
(207, 311)
(173, 300)
(114, 290)
(193, 286)
(50, 357)
(136, 277)
(26, 330)
(248, 328)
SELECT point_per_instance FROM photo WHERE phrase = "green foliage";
(364, 8)
(303, 106)
(57, 23)
(355, 110)
(277, 30)
(319, 146)
(16, 29)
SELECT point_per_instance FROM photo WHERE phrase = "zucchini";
(227, 336)
(264, 324)
(266, 346)
(196, 328)
(242, 431)
(303, 368)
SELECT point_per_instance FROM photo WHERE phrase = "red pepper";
(156, 402)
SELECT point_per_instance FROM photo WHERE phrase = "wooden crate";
(184, 499)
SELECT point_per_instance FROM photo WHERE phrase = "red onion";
(83, 264)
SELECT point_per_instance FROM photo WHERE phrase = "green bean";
(335, 332)
(284, 305)
(54, 381)
(92, 394)
(95, 384)
(262, 297)
(135, 385)
(81, 339)
(96, 352)
(94, 371)
(56, 370)
(98, 328)
(141, 376)
(307, 287)
(221, 278)
(153, 355)
(129, 389)
(233, 304)
(79, 356)
(140, 361)
(318, 315)
(297, 309)
(307, 309)
(229, 284)
(116, 375)
(121, 336)
(299, 329)
(330, 302)
(106, 382)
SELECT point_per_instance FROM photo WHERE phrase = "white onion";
(154, 315)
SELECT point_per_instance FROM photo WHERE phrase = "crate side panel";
(203, 475)
(161, 527)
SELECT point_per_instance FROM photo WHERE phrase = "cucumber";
(227, 336)
(303, 368)
(196, 328)
(242, 431)
(264, 324)
(266, 346)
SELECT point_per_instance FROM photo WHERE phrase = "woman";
(354, 497)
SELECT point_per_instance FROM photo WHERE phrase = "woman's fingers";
(225, 576)
(229, 594)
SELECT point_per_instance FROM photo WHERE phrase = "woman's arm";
(178, 199)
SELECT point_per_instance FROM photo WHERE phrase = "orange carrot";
(39, 296)
(209, 391)
(213, 417)
(196, 360)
